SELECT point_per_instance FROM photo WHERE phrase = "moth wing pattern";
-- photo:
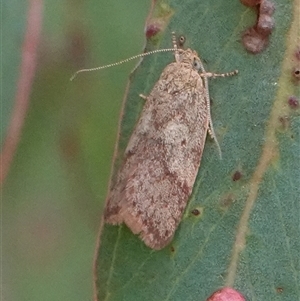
(163, 156)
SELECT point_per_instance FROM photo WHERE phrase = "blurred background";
(56, 162)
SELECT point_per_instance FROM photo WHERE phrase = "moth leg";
(143, 96)
(210, 129)
(213, 75)
(211, 133)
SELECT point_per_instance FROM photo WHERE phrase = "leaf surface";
(246, 235)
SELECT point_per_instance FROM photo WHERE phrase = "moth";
(163, 155)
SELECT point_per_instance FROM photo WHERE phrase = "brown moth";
(164, 152)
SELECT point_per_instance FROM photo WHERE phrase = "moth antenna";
(211, 130)
(125, 61)
(175, 46)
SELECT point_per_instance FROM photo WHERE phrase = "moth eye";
(196, 64)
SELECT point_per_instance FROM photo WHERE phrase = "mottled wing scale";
(163, 155)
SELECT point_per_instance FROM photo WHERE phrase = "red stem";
(24, 85)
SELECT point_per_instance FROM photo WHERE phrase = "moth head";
(197, 63)
(190, 57)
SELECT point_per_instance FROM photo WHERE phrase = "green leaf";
(52, 196)
(247, 233)
(12, 31)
